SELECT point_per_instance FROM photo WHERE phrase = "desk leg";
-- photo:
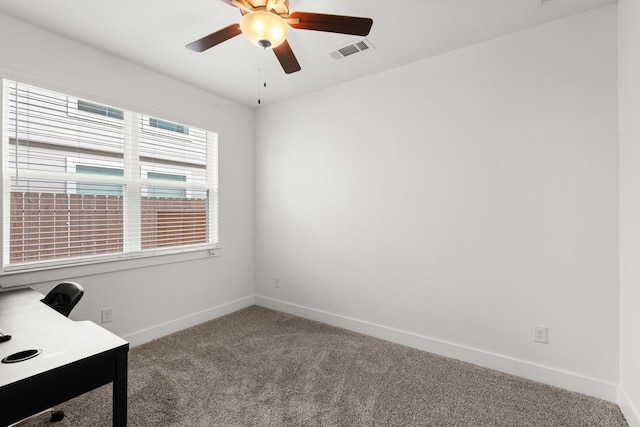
(120, 392)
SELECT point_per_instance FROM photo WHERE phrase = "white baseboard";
(629, 410)
(559, 378)
(146, 335)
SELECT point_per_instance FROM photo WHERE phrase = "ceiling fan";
(266, 24)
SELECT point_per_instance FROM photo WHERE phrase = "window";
(86, 182)
(102, 110)
(167, 192)
(99, 189)
(163, 124)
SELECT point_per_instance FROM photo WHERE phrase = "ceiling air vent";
(352, 48)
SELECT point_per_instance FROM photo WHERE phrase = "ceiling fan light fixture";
(264, 29)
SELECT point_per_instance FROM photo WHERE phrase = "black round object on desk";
(21, 355)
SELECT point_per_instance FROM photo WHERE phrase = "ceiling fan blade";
(332, 23)
(213, 39)
(287, 58)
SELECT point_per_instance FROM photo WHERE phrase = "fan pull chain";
(262, 79)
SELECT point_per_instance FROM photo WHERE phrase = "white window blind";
(85, 182)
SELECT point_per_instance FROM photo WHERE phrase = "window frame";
(18, 275)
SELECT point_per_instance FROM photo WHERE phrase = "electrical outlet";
(540, 334)
(276, 282)
(107, 315)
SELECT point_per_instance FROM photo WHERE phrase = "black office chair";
(64, 297)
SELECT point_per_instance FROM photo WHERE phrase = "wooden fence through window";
(47, 226)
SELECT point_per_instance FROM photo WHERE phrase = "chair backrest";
(64, 297)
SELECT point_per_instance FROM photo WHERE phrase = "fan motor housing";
(279, 7)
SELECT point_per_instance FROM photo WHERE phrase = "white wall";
(148, 302)
(455, 203)
(629, 112)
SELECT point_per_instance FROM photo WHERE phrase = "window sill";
(45, 274)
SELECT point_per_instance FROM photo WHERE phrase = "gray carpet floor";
(259, 367)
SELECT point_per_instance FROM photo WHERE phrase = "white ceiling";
(153, 33)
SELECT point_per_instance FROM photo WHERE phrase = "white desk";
(76, 357)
